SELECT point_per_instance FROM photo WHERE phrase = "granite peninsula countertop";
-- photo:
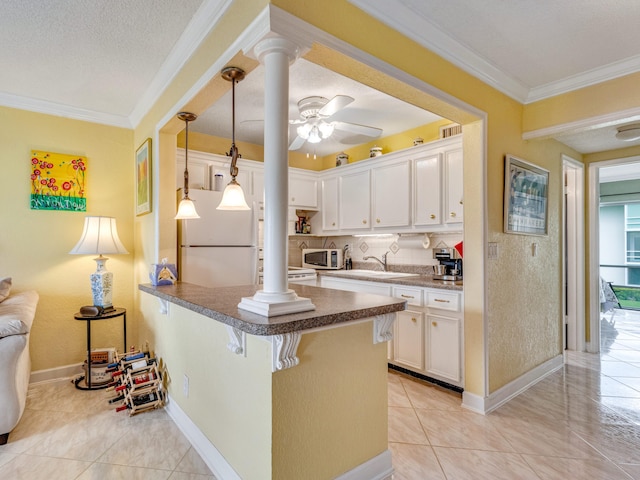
(415, 280)
(332, 306)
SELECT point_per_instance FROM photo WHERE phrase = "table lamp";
(100, 236)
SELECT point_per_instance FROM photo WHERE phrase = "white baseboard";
(207, 451)
(377, 468)
(501, 396)
(55, 374)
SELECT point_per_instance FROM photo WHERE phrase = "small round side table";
(117, 312)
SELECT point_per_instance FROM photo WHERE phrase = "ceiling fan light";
(314, 135)
(326, 129)
(304, 130)
(629, 133)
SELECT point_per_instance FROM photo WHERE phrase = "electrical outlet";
(185, 385)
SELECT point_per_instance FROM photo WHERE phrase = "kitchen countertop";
(421, 280)
(333, 307)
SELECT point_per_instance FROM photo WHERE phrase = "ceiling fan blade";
(334, 105)
(297, 143)
(372, 132)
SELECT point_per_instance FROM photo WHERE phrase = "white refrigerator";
(221, 247)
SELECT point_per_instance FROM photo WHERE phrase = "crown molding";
(66, 111)
(203, 21)
(592, 77)
(411, 24)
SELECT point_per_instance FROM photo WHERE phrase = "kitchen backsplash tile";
(376, 246)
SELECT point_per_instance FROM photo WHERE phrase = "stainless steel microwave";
(322, 258)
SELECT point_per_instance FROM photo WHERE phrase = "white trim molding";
(512, 389)
(237, 341)
(284, 351)
(383, 327)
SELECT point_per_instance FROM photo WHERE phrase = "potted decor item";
(375, 151)
(342, 159)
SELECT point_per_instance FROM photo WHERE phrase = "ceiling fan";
(315, 123)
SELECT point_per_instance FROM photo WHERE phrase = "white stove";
(305, 276)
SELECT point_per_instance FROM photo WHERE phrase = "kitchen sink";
(372, 273)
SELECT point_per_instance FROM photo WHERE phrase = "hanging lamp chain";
(234, 75)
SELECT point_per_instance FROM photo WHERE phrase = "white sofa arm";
(13, 390)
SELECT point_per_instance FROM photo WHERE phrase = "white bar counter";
(288, 397)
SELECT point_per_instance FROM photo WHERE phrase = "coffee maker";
(452, 263)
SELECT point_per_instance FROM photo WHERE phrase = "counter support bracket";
(237, 341)
(383, 327)
(284, 350)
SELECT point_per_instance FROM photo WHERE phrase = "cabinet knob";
(432, 216)
(364, 222)
(461, 203)
(333, 224)
(452, 214)
(435, 324)
(414, 319)
(377, 220)
(293, 199)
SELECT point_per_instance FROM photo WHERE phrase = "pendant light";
(186, 209)
(233, 196)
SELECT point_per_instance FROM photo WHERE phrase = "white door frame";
(573, 254)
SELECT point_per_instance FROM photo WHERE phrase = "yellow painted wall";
(35, 244)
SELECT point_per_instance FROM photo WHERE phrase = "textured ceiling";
(106, 60)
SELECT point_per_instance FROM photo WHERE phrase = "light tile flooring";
(580, 422)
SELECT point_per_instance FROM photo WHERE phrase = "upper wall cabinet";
(354, 205)
(418, 189)
(303, 190)
(391, 204)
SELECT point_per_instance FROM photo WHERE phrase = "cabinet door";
(427, 207)
(408, 344)
(391, 195)
(453, 199)
(303, 191)
(330, 204)
(355, 198)
(443, 350)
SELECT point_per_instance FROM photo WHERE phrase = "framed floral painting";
(58, 182)
(143, 178)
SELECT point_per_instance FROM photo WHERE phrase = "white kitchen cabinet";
(428, 203)
(453, 198)
(408, 339)
(355, 200)
(303, 191)
(391, 206)
(443, 347)
(329, 205)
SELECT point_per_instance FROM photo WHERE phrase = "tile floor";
(580, 422)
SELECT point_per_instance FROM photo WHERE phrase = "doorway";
(573, 255)
(625, 172)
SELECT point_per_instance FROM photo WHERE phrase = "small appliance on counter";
(450, 267)
(322, 258)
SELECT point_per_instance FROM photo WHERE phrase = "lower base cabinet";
(427, 337)
(408, 339)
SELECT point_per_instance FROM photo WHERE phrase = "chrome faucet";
(382, 262)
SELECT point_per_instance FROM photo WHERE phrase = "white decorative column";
(275, 298)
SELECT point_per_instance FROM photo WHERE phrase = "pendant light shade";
(233, 196)
(186, 209)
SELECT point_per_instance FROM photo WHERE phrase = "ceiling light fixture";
(233, 196)
(186, 209)
(629, 133)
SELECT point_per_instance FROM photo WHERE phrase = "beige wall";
(35, 244)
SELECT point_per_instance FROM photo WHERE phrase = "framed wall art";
(58, 182)
(526, 197)
(143, 178)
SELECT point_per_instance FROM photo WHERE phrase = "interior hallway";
(580, 422)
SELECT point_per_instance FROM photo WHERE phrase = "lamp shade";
(99, 236)
(233, 198)
(186, 210)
